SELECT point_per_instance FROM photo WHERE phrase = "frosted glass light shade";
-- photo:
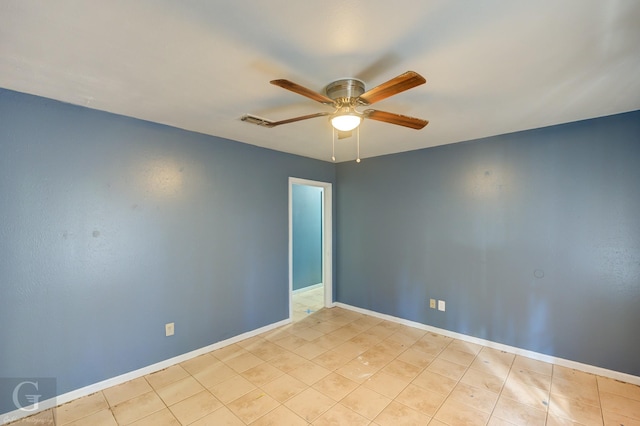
(346, 122)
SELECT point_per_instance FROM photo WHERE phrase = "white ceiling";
(492, 66)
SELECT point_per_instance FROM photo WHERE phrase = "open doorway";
(310, 247)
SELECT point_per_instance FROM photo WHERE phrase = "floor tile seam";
(576, 400)
(200, 381)
(503, 380)
(84, 417)
(626, 415)
(280, 404)
(204, 389)
(466, 366)
(615, 391)
(509, 364)
(266, 392)
(546, 403)
(319, 415)
(349, 393)
(525, 384)
(113, 405)
(256, 419)
(520, 366)
(109, 407)
(461, 376)
(174, 382)
(570, 419)
(125, 424)
(208, 388)
(526, 371)
(148, 415)
(546, 411)
(572, 382)
(204, 415)
(361, 385)
(496, 404)
(446, 397)
(468, 405)
(478, 388)
(403, 389)
(161, 400)
(508, 422)
(631, 400)
(599, 401)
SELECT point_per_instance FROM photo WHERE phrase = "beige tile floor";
(306, 303)
(338, 367)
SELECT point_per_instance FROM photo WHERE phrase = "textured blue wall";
(532, 238)
(307, 235)
(111, 227)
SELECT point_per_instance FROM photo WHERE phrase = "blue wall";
(111, 227)
(307, 235)
(532, 238)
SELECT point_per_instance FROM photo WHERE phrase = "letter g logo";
(33, 399)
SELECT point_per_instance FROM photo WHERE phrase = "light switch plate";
(441, 305)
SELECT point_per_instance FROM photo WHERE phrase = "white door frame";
(327, 239)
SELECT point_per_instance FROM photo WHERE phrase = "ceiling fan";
(344, 96)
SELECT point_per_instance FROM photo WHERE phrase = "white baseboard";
(307, 288)
(96, 387)
(629, 378)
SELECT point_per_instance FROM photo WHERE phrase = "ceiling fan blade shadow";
(301, 90)
(378, 67)
(400, 120)
(406, 81)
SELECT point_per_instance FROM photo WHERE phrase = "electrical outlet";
(169, 329)
(441, 305)
(432, 303)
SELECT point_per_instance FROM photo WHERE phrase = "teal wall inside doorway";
(307, 235)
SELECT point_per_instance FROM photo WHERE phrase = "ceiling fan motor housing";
(347, 88)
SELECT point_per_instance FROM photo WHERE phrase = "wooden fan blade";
(392, 87)
(293, 120)
(400, 120)
(301, 90)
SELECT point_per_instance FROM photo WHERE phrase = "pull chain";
(358, 144)
(333, 144)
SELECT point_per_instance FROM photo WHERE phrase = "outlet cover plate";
(441, 305)
(169, 329)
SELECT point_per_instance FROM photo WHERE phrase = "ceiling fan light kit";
(345, 95)
(345, 121)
